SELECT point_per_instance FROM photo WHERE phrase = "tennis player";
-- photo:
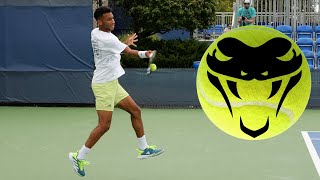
(107, 90)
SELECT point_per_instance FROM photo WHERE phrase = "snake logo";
(246, 67)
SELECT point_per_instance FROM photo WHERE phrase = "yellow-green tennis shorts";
(108, 94)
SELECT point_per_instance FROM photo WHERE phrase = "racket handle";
(151, 55)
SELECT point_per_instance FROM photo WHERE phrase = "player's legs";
(102, 127)
(125, 102)
(134, 110)
(105, 96)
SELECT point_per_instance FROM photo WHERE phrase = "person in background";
(246, 14)
(228, 28)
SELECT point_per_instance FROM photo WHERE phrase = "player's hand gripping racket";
(151, 58)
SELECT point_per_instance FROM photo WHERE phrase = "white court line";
(312, 150)
(312, 131)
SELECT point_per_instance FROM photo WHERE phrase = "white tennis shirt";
(106, 49)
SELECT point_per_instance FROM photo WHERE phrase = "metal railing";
(274, 13)
(224, 18)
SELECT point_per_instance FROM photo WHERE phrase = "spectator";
(246, 14)
(228, 28)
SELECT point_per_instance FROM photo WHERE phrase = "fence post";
(223, 19)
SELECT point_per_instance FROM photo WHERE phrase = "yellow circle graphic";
(253, 82)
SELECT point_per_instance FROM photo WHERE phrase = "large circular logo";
(253, 82)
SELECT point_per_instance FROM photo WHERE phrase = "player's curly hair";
(100, 11)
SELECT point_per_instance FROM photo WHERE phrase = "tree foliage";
(170, 53)
(224, 5)
(160, 16)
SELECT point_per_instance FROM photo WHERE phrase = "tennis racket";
(151, 59)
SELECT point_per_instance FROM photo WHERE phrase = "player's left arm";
(131, 40)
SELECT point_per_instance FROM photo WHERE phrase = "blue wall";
(41, 38)
(175, 34)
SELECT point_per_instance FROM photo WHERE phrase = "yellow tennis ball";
(253, 82)
(153, 67)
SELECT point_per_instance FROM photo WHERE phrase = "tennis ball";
(153, 67)
(253, 82)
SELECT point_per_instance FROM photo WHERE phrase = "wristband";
(142, 54)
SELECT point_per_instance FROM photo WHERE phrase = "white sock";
(142, 142)
(83, 152)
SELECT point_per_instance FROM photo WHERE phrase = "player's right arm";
(133, 52)
(131, 41)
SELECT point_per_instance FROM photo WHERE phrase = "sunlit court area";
(111, 89)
